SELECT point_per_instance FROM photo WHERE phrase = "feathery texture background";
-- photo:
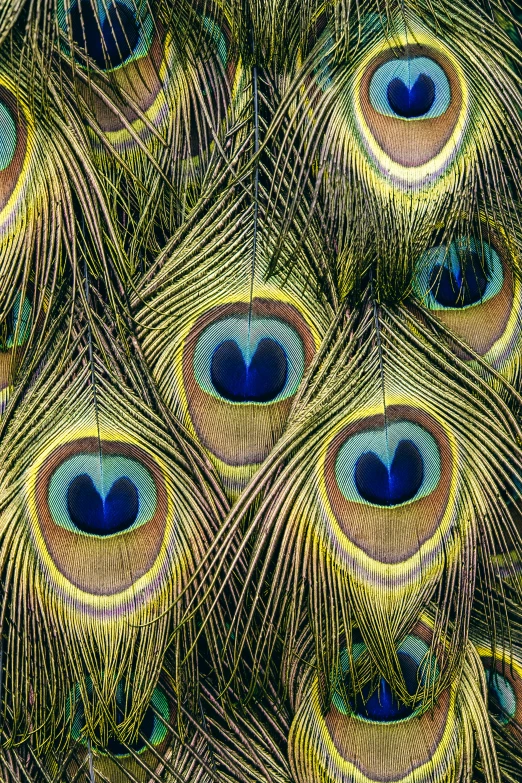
(260, 391)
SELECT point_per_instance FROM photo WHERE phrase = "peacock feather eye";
(258, 360)
(410, 110)
(123, 40)
(241, 369)
(465, 273)
(153, 728)
(388, 506)
(13, 145)
(92, 497)
(504, 680)
(390, 466)
(114, 526)
(388, 483)
(105, 494)
(410, 88)
(469, 286)
(377, 702)
(111, 34)
(379, 739)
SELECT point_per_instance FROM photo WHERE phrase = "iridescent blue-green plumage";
(260, 391)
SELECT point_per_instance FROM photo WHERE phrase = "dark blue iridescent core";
(109, 42)
(414, 101)
(391, 486)
(90, 513)
(462, 286)
(380, 704)
(261, 380)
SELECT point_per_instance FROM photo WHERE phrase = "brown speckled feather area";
(260, 391)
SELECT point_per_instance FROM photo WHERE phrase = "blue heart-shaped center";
(259, 381)
(389, 487)
(457, 288)
(414, 101)
(90, 513)
(119, 32)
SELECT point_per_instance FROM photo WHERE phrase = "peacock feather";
(260, 391)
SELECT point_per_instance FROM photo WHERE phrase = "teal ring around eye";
(218, 37)
(504, 695)
(8, 137)
(21, 314)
